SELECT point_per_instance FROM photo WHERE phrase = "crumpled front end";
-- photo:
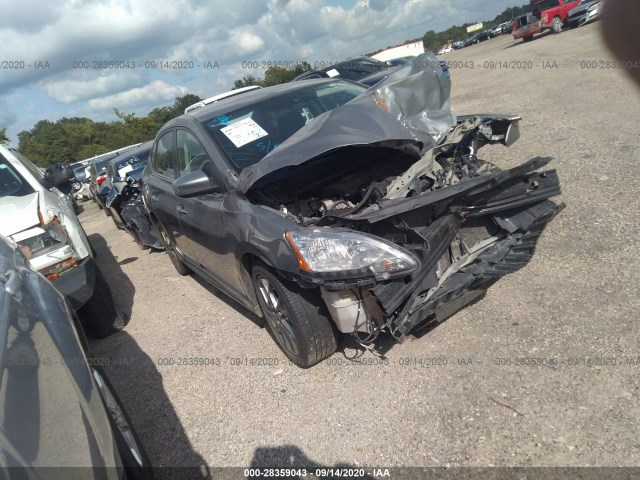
(405, 229)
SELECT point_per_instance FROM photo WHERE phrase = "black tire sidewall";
(287, 292)
(180, 267)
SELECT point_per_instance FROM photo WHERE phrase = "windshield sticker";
(333, 73)
(243, 132)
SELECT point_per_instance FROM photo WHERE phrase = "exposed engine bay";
(355, 179)
(468, 222)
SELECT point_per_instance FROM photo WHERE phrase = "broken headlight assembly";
(346, 254)
(47, 248)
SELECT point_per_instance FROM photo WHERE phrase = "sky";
(54, 55)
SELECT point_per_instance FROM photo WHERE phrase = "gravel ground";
(544, 371)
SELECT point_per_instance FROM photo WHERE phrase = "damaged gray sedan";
(331, 209)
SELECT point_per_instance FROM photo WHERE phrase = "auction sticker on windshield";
(243, 132)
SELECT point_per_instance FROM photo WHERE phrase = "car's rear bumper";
(527, 31)
(77, 283)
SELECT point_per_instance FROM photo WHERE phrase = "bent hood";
(18, 213)
(409, 110)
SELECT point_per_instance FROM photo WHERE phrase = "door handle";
(181, 210)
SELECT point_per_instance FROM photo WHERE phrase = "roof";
(232, 103)
(221, 96)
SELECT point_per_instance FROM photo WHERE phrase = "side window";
(162, 161)
(191, 156)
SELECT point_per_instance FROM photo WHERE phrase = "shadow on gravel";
(122, 289)
(138, 383)
(535, 38)
(230, 302)
(291, 457)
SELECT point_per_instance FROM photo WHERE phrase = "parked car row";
(555, 15)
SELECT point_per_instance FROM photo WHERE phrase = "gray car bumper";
(77, 283)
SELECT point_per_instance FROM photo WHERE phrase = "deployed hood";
(18, 213)
(409, 111)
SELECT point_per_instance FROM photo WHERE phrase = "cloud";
(246, 42)
(155, 93)
(229, 33)
(28, 15)
(7, 117)
(92, 85)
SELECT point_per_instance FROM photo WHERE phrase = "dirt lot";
(544, 371)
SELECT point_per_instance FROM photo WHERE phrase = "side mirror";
(56, 175)
(195, 183)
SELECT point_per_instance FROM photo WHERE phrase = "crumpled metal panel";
(418, 96)
(409, 111)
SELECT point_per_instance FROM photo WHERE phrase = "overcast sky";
(42, 42)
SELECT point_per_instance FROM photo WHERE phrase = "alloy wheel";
(277, 316)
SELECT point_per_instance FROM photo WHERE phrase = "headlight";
(349, 254)
(592, 7)
(47, 248)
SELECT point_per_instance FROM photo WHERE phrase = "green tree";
(274, 75)
(73, 139)
(3, 136)
(247, 81)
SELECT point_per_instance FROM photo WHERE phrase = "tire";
(100, 317)
(113, 217)
(180, 267)
(556, 25)
(527, 39)
(134, 458)
(297, 318)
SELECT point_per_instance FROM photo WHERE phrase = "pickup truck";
(545, 14)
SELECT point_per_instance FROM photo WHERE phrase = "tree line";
(69, 140)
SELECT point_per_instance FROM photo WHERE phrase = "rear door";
(160, 197)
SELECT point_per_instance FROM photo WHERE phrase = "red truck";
(544, 14)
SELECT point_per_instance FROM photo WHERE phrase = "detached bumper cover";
(498, 217)
(77, 283)
(471, 281)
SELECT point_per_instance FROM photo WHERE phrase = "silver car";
(586, 11)
(60, 417)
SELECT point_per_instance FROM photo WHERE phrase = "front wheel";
(556, 25)
(180, 267)
(297, 318)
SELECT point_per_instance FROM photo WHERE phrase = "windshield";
(356, 68)
(11, 182)
(247, 134)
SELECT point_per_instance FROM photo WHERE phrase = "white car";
(41, 220)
